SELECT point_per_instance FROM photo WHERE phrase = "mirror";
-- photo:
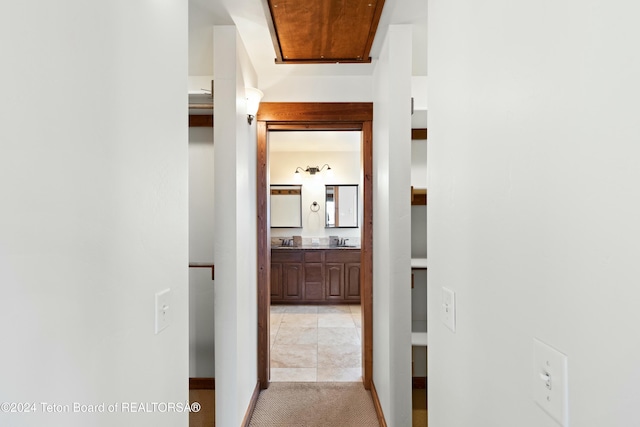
(286, 206)
(341, 206)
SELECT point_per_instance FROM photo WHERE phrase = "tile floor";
(316, 343)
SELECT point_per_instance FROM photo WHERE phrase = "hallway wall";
(93, 185)
(235, 230)
(392, 227)
(533, 208)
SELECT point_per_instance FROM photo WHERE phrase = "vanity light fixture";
(312, 170)
(253, 102)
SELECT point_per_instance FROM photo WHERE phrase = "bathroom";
(316, 214)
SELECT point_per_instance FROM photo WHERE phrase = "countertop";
(315, 248)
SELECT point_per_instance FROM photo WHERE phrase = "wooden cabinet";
(343, 275)
(315, 276)
(342, 281)
(286, 276)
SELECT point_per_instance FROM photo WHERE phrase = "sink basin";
(347, 246)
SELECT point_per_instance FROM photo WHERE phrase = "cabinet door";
(276, 282)
(334, 281)
(292, 281)
(352, 281)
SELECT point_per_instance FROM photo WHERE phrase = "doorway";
(314, 116)
(315, 321)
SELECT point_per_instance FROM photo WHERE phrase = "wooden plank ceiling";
(323, 31)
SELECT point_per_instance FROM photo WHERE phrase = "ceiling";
(252, 22)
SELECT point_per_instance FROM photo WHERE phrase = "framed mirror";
(341, 206)
(286, 206)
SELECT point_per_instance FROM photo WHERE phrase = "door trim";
(314, 116)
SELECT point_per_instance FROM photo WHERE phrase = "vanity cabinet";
(315, 276)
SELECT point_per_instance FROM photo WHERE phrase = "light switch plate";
(163, 310)
(550, 381)
(448, 309)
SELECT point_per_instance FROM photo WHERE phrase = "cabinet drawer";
(313, 256)
(313, 291)
(286, 255)
(313, 272)
(344, 255)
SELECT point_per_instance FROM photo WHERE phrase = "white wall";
(533, 207)
(201, 18)
(346, 170)
(201, 224)
(392, 227)
(93, 178)
(316, 88)
(235, 212)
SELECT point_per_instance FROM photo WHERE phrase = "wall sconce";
(253, 102)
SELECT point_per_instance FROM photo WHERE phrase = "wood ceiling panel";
(324, 30)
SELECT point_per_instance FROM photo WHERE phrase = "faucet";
(286, 242)
(342, 242)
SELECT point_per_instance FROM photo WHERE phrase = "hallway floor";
(206, 417)
(317, 404)
(316, 343)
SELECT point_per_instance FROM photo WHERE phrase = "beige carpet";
(205, 418)
(314, 405)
